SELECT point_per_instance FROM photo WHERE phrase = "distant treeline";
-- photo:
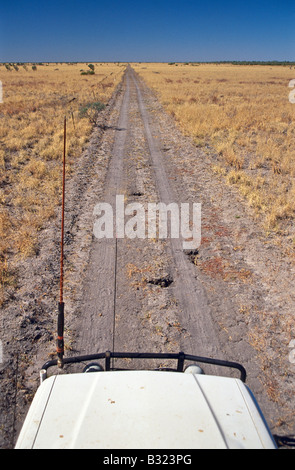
(241, 62)
(257, 62)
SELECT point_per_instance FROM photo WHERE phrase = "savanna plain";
(36, 99)
(243, 113)
(238, 116)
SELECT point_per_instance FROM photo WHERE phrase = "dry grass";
(31, 146)
(244, 113)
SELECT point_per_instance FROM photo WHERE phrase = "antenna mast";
(60, 320)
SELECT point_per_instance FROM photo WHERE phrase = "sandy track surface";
(112, 261)
(230, 299)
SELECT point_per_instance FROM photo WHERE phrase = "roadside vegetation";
(36, 98)
(241, 112)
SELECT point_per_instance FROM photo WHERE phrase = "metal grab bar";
(180, 357)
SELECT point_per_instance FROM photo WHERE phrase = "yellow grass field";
(36, 98)
(243, 113)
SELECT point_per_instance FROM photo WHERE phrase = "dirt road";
(150, 294)
(137, 172)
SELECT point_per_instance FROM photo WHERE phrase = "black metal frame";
(180, 357)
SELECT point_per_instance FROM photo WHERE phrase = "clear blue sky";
(155, 30)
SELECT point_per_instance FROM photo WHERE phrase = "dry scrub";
(244, 114)
(35, 101)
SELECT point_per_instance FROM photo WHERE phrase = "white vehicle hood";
(143, 410)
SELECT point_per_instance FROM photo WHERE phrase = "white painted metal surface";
(143, 410)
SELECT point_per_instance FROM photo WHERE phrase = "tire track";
(190, 293)
(99, 301)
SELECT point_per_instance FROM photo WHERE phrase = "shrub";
(91, 110)
(88, 72)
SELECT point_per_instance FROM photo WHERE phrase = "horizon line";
(224, 61)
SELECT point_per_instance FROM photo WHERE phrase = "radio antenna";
(61, 305)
